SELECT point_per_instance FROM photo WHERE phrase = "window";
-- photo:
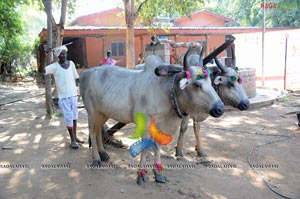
(162, 37)
(117, 48)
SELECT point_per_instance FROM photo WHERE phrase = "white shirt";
(64, 79)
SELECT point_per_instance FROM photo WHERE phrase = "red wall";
(93, 51)
(97, 47)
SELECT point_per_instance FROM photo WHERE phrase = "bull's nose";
(217, 110)
(244, 105)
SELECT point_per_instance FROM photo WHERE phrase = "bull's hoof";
(96, 163)
(158, 177)
(200, 152)
(178, 152)
(104, 156)
(142, 178)
(205, 161)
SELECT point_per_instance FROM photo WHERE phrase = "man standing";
(65, 75)
(108, 59)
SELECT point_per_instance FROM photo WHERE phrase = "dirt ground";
(36, 161)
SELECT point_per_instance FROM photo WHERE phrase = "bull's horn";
(186, 65)
(164, 70)
(201, 57)
(221, 67)
(233, 60)
(216, 52)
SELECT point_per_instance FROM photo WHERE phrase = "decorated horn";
(164, 70)
(217, 51)
(201, 57)
(220, 66)
(233, 60)
(185, 58)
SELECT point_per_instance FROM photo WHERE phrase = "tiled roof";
(226, 19)
(93, 31)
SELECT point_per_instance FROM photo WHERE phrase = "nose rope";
(174, 99)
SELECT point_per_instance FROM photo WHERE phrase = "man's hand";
(42, 70)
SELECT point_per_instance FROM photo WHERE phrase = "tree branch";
(63, 12)
(140, 7)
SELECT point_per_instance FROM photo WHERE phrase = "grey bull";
(228, 85)
(114, 92)
(194, 60)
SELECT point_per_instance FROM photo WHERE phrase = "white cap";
(59, 49)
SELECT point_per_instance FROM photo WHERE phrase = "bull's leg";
(108, 136)
(102, 153)
(198, 147)
(92, 135)
(142, 177)
(104, 128)
(158, 168)
(111, 131)
(183, 128)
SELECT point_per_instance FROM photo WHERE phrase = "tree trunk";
(58, 32)
(53, 40)
(130, 51)
(130, 16)
(57, 35)
(48, 9)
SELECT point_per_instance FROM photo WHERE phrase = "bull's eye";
(230, 84)
(197, 85)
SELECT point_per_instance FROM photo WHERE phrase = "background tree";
(10, 28)
(50, 20)
(287, 14)
(149, 10)
(249, 13)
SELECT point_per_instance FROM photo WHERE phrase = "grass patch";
(287, 98)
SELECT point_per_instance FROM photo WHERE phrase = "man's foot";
(79, 140)
(74, 145)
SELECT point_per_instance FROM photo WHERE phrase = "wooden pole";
(285, 61)
(263, 47)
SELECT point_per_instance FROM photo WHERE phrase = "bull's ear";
(218, 80)
(165, 70)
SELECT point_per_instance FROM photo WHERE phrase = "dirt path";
(38, 144)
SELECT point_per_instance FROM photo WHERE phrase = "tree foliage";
(279, 13)
(152, 9)
(148, 10)
(12, 48)
(286, 14)
(10, 22)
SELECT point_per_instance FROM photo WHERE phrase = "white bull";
(117, 93)
(228, 86)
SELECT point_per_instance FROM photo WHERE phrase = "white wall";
(249, 52)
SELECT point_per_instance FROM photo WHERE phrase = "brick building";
(93, 34)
